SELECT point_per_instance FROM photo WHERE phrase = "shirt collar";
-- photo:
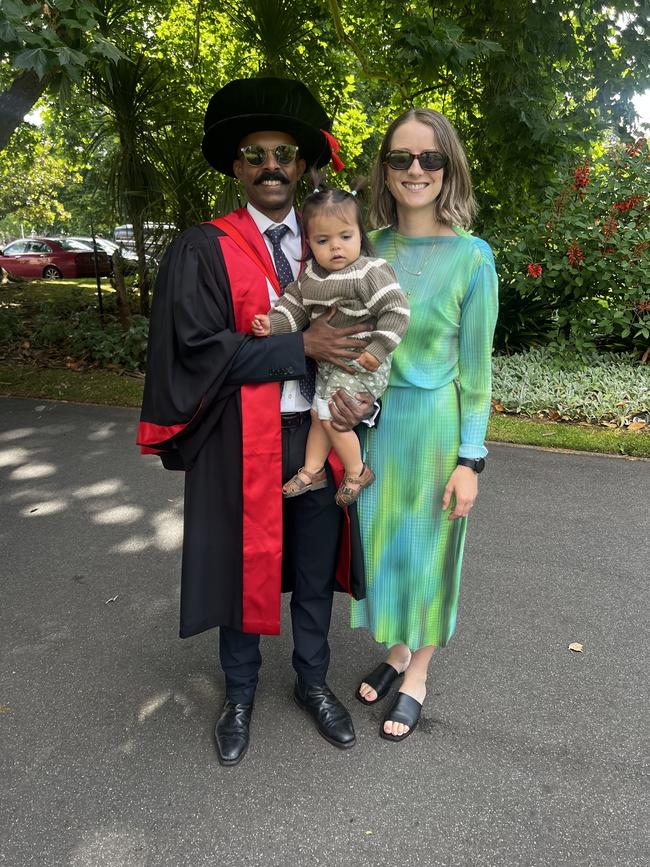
(263, 222)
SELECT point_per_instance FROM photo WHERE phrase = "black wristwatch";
(476, 464)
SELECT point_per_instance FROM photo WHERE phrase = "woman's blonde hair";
(456, 205)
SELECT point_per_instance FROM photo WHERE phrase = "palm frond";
(272, 26)
(132, 99)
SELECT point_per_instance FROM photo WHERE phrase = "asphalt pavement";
(527, 754)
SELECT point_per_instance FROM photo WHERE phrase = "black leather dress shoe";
(333, 721)
(231, 732)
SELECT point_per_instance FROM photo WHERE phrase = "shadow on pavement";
(527, 753)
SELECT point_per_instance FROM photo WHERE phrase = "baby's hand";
(368, 361)
(261, 325)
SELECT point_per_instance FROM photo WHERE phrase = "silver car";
(129, 257)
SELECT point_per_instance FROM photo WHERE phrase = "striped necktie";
(282, 266)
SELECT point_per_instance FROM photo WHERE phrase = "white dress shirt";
(292, 400)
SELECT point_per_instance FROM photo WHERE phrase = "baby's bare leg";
(318, 445)
(347, 447)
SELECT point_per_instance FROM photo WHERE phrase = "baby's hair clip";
(316, 190)
(353, 192)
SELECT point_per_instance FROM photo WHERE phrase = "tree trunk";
(17, 101)
(119, 285)
(143, 270)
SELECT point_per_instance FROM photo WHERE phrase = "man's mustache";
(271, 176)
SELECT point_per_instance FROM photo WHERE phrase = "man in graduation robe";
(213, 406)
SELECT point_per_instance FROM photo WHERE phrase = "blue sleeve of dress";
(477, 322)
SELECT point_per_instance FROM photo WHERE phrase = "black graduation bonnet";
(249, 105)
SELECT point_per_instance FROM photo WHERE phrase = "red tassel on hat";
(337, 163)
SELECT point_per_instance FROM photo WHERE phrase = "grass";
(108, 387)
(89, 386)
(576, 437)
(28, 293)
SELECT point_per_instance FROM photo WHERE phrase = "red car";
(51, 258)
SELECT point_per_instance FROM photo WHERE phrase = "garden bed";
(54, 345)
(608, 389)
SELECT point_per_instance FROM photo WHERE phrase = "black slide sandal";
(380, 679)
(406, 710)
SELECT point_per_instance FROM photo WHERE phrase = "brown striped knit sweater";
(367, 290)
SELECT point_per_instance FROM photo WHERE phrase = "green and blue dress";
(435, 409)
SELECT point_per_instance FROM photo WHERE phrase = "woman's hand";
(261, 325)
(463, 486)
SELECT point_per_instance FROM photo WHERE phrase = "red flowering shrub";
(628, 204)
(586, 249)
(609, 229)
(635, 149)
(581, 177)
(575, 255)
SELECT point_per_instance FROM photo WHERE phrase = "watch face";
(480, 465)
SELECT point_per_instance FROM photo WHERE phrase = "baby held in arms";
(340, 273)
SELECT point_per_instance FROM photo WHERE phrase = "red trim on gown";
(261, 439)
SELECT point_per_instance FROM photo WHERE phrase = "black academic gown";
(191, 416)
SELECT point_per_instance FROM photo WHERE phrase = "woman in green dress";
(428, 448)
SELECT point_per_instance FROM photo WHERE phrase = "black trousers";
(312, 526)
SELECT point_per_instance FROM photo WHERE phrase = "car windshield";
(73, 244)
(15, 248)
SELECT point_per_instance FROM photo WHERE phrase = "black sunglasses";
(430, 161)
(255, 155)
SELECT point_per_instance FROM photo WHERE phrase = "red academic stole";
(249, 266)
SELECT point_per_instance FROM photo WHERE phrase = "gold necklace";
(403, 267)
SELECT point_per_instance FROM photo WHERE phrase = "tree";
(50, 44)
(132, 96)
(526, 84)
(32, 176)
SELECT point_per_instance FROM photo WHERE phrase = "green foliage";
(528, 85)
(49, 330)
(108, 345)
(70, 129)
(565, 75)
(522, 322)
(64, 324)
(82, 335)
(602, 388)
(132, 98)
(271, 28)
(10, 326)
(584, 256)
(58, 37)
(437, 44)
(32, 176)
(185, 184)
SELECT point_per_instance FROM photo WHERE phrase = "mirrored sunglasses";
(430, 161)
(255, 155)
